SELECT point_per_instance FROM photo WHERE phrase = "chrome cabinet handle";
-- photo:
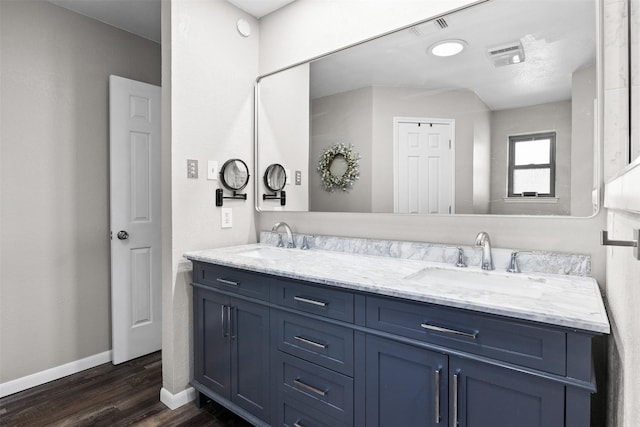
(472, 335)
(227, 282)
(231, 312)
(309, 387)
(311, 301)
(310, 342)
(123, 235)
(455, 400)
(436, 411)
(297, 424)
(225, 333)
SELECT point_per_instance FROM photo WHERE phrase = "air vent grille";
(441, 23)
(506, 54)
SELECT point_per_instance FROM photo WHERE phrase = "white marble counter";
(563, 300)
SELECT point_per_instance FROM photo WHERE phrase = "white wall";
(552, 117)
(208, 85)
(283, 109)
(54, 272)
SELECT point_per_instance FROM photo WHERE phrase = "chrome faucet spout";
(290, 242)
(482, 240)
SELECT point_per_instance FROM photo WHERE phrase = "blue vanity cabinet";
(484, 395)
(405, 385)
(232, 352)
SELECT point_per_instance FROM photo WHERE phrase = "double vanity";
(353, 332)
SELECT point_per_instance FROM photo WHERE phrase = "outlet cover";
(226, 220)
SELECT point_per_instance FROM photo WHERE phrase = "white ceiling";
(558, 37)
(142, 17)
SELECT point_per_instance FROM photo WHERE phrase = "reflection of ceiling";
(558, 37)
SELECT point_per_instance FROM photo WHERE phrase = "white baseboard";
(174, 401)
(52, 374)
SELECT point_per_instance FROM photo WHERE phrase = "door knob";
(123, 235)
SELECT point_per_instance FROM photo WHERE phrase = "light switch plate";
(298, 177)
(192, 169)
(226, 219)
(212, 170)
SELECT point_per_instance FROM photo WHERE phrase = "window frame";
(513, 140)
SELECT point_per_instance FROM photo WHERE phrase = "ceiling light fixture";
(447, 47)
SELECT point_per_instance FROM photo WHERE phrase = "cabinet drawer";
(324, 344)
(232, 280)
(293, 413)
(319, 388)
(500, 338)
(326, 302)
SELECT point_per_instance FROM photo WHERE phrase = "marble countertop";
(562, 300)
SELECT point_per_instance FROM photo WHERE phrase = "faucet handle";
(460, 262)
(280, 243)
(305, 242)
(514, 267)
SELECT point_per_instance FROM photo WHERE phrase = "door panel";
(424, 173)
(136, 293)
(401, 385)
(493, 396)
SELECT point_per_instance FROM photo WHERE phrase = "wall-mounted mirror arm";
(282, 197)
(236, 196)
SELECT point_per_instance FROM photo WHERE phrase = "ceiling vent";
(441, 23)
(506, 54)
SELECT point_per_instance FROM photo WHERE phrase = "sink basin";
(482, 278)
(271, 253)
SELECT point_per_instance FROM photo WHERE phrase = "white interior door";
(424, 166)
(136, 294)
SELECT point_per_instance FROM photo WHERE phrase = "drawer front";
(293, 413)
(232, 280)
(500, 338)
(319, 388)
(332, 303)
(324, 344)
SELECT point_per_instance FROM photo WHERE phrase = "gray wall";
(364, 117)
(54, 276)
(555, 117)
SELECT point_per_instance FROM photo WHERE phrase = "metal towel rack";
(604, 240)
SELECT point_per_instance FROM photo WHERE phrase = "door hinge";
(449, 144)
(449, 209)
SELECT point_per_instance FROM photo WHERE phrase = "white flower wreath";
(344, 182)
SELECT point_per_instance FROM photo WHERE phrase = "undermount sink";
(271, 253)
(479, 277)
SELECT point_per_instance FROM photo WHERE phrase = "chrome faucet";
(290, 242)
(482, 239)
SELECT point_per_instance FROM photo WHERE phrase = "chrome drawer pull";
(455, 399)
(297, 424)
(309, 387)
(307, 341)
(435, 328)
(311, 301)
(227, 282)
(437, 397)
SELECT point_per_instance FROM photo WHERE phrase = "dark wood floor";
(123, 395)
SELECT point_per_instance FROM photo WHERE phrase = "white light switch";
(226, 220)
(212, 170)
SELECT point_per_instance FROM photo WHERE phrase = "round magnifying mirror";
(234, 174)
(275, 177)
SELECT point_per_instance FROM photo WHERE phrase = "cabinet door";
(211, 341)
(250, 361)
(485, 395)
(405, 385)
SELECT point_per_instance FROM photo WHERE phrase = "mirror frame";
(598, 176)
(224, 182)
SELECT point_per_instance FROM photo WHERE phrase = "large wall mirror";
(492, 109)
(634, 74)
